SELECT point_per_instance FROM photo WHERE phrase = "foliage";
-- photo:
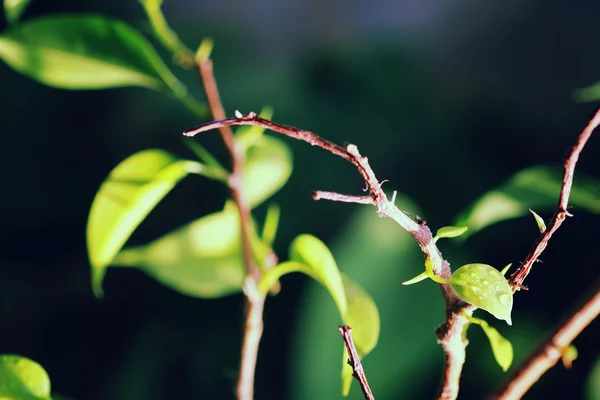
(204, 257)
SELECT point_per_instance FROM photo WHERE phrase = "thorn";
(238, 114)
(251, 115)
(394, 196)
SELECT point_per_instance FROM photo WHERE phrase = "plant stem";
(354, 362)
(254, 300)
(551, 350)
(517, 278)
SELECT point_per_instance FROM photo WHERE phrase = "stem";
(254, 300)
(449, 334)
(354, 362)
(551, 350)
(517, 278)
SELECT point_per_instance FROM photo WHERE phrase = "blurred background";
(446, 98)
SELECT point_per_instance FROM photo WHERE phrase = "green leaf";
(539, 220)
(587, 94)
(485, 287)
(501, 347)
(536, 187)
(201, 259)
(14, 8)
(85, 52)
(315, 255)
(363, 317)
(23, 379)
(449, 232)
(268, 167)
(126, 197)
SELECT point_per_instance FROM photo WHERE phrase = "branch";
(354, 362)
(551, 350)
(450, 333)
(254, 300)
(517, 278)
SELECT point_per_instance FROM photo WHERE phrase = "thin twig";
(450, 333)
(552, 349)
(354, 362)
(517, 278)
(254, 300)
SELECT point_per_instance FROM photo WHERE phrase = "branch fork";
(450, 333)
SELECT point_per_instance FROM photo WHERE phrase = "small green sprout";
(540, 221)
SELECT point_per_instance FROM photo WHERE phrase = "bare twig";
(551, 350)
(517, 278)
(254, 300)
(354, 362)
(450, 333)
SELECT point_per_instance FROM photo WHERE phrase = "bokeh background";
(447, 98)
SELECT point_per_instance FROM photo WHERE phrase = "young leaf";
(85, 52)
(201, 259)
(130, 192)
(14, 8)
(449, 232)
(23, 379)
(536, 187)
(363, 317)
(540, 222)
(268, 167)
(313, 253)
(501, 347)
(485, 287)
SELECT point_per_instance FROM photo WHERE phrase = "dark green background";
(445, 108)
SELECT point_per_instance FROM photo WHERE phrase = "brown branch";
(517, 278)
(552, 349)
(354, 362)
(254, 300)
(450, 333)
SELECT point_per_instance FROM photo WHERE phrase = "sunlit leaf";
(539, 220)
(201, 259)
(485, 287)
(501, 347)
(268, 167)
(14, 8)
(130, 192)
(313, 253)
(85, 52)
(363, 317)
(537, 188)
(23, 379)
(450, 232)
